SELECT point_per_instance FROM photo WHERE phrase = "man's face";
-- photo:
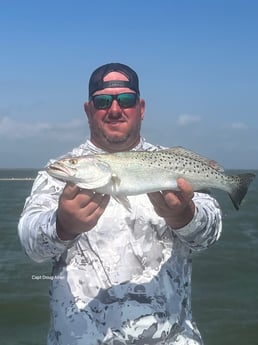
(115, 128)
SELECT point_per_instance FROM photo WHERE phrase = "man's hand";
(176, 207)
(78, 211)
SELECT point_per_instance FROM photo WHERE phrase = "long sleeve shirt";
(126, 281)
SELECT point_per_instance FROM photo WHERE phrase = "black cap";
(96, 80)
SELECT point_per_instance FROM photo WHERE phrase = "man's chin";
(115, 133)
(116, 139)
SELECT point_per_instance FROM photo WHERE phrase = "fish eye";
(73, 161)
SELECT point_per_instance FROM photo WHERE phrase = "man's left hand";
(176, 207)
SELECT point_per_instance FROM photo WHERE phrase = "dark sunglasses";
(125, 100)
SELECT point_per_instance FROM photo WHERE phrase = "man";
(119, 277)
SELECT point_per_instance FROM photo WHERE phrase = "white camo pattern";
(128, 280)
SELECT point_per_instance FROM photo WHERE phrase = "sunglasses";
(125, 100)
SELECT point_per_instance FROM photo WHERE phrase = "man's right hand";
(78, 211)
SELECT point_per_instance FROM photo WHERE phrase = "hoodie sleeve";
(37, 225)
(206, 225)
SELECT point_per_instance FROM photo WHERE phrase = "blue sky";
(197, 62)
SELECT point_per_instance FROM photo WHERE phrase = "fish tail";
(240, 188)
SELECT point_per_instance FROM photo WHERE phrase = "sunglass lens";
(127, 100)
(102, 101)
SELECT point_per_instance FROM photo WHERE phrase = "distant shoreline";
(17, 178)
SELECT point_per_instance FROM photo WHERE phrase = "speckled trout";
(128, 173)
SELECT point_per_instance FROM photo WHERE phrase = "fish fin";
(240, 189)
(116, 181)
(195, 156)
(121, 199)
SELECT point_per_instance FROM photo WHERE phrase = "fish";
(122, 174)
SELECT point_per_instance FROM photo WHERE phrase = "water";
(225, 277)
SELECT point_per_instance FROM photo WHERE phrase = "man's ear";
(142, 105)
(87, 108)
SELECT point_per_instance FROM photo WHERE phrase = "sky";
(197, 62)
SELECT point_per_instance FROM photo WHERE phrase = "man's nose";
(115, 107)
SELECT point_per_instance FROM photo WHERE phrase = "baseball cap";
(96, 82)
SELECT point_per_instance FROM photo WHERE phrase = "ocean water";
(225, 277)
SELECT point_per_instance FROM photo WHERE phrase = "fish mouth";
(58, 169)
